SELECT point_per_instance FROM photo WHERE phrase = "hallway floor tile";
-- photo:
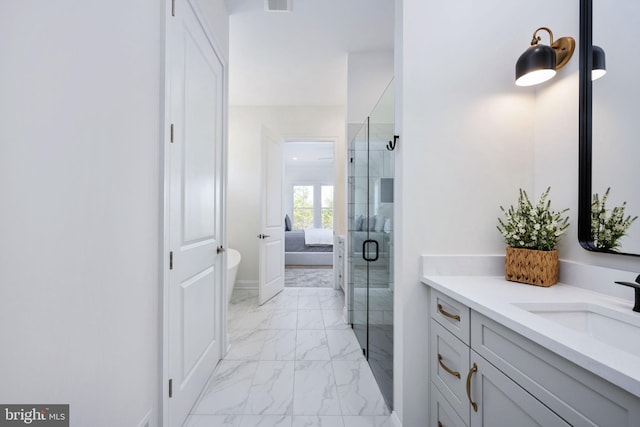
(293, 362)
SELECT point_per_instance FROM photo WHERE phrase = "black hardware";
(636, 287)
(585, 137)
(365, 253)
(392, 144)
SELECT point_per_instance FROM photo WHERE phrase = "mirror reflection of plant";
(532, 227)
(608, 230)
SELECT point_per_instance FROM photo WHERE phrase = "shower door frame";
(374, 333)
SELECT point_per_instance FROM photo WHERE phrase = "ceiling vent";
(277, 5)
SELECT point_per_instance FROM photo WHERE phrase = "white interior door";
(271, 237)
(195, 217)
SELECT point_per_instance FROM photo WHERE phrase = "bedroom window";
(302, 206)
(312, 206)
(326, 206)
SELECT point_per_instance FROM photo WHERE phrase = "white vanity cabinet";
(466, 389)
(484, 374)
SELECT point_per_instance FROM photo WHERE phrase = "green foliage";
(327, 218)
(304, 210)
(533, 227)
(608, 230)
(327, 207)
(302, 207)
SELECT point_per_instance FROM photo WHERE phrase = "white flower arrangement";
(532, 227)
(607, 231)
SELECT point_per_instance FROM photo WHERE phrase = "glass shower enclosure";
(370, 240)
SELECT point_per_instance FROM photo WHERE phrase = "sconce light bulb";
(535, 77)
(596, 74)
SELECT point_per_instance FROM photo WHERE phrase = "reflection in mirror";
(614, 128)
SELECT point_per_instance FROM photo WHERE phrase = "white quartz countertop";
(494, 297)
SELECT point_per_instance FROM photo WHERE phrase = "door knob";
(219, 249)
(263, 236)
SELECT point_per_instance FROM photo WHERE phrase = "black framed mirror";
(608, 125)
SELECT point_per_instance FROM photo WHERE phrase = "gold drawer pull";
(454, 373)
(473, 370)
(449, 315)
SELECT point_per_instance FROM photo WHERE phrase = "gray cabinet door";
(502, 403)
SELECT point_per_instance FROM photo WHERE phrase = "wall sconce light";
(539, 62)
(599, 67)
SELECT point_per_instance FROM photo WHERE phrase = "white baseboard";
(246, 284)
(395, 420)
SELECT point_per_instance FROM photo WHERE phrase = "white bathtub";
(233, 261)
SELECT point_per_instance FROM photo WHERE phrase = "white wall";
(368, 74)
(80, 156)
(466, 145)
(245, 126)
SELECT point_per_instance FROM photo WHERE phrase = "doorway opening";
(308, 188)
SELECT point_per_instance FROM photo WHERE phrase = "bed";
(299, 250)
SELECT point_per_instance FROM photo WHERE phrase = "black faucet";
(636, 285)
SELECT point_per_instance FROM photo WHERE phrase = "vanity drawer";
(451, 314)
(575, 394)
(449, 364)
(442, 413)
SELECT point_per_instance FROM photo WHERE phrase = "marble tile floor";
(308, 277)
(293, 363)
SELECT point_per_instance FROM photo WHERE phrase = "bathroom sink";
(616, 328)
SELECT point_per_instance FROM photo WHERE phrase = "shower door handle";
(364, 250)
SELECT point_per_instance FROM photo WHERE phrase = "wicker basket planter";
(531, 266)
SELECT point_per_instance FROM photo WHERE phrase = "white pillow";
(387, 225)
(357, 226)
(380, 223)
(371, 223)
